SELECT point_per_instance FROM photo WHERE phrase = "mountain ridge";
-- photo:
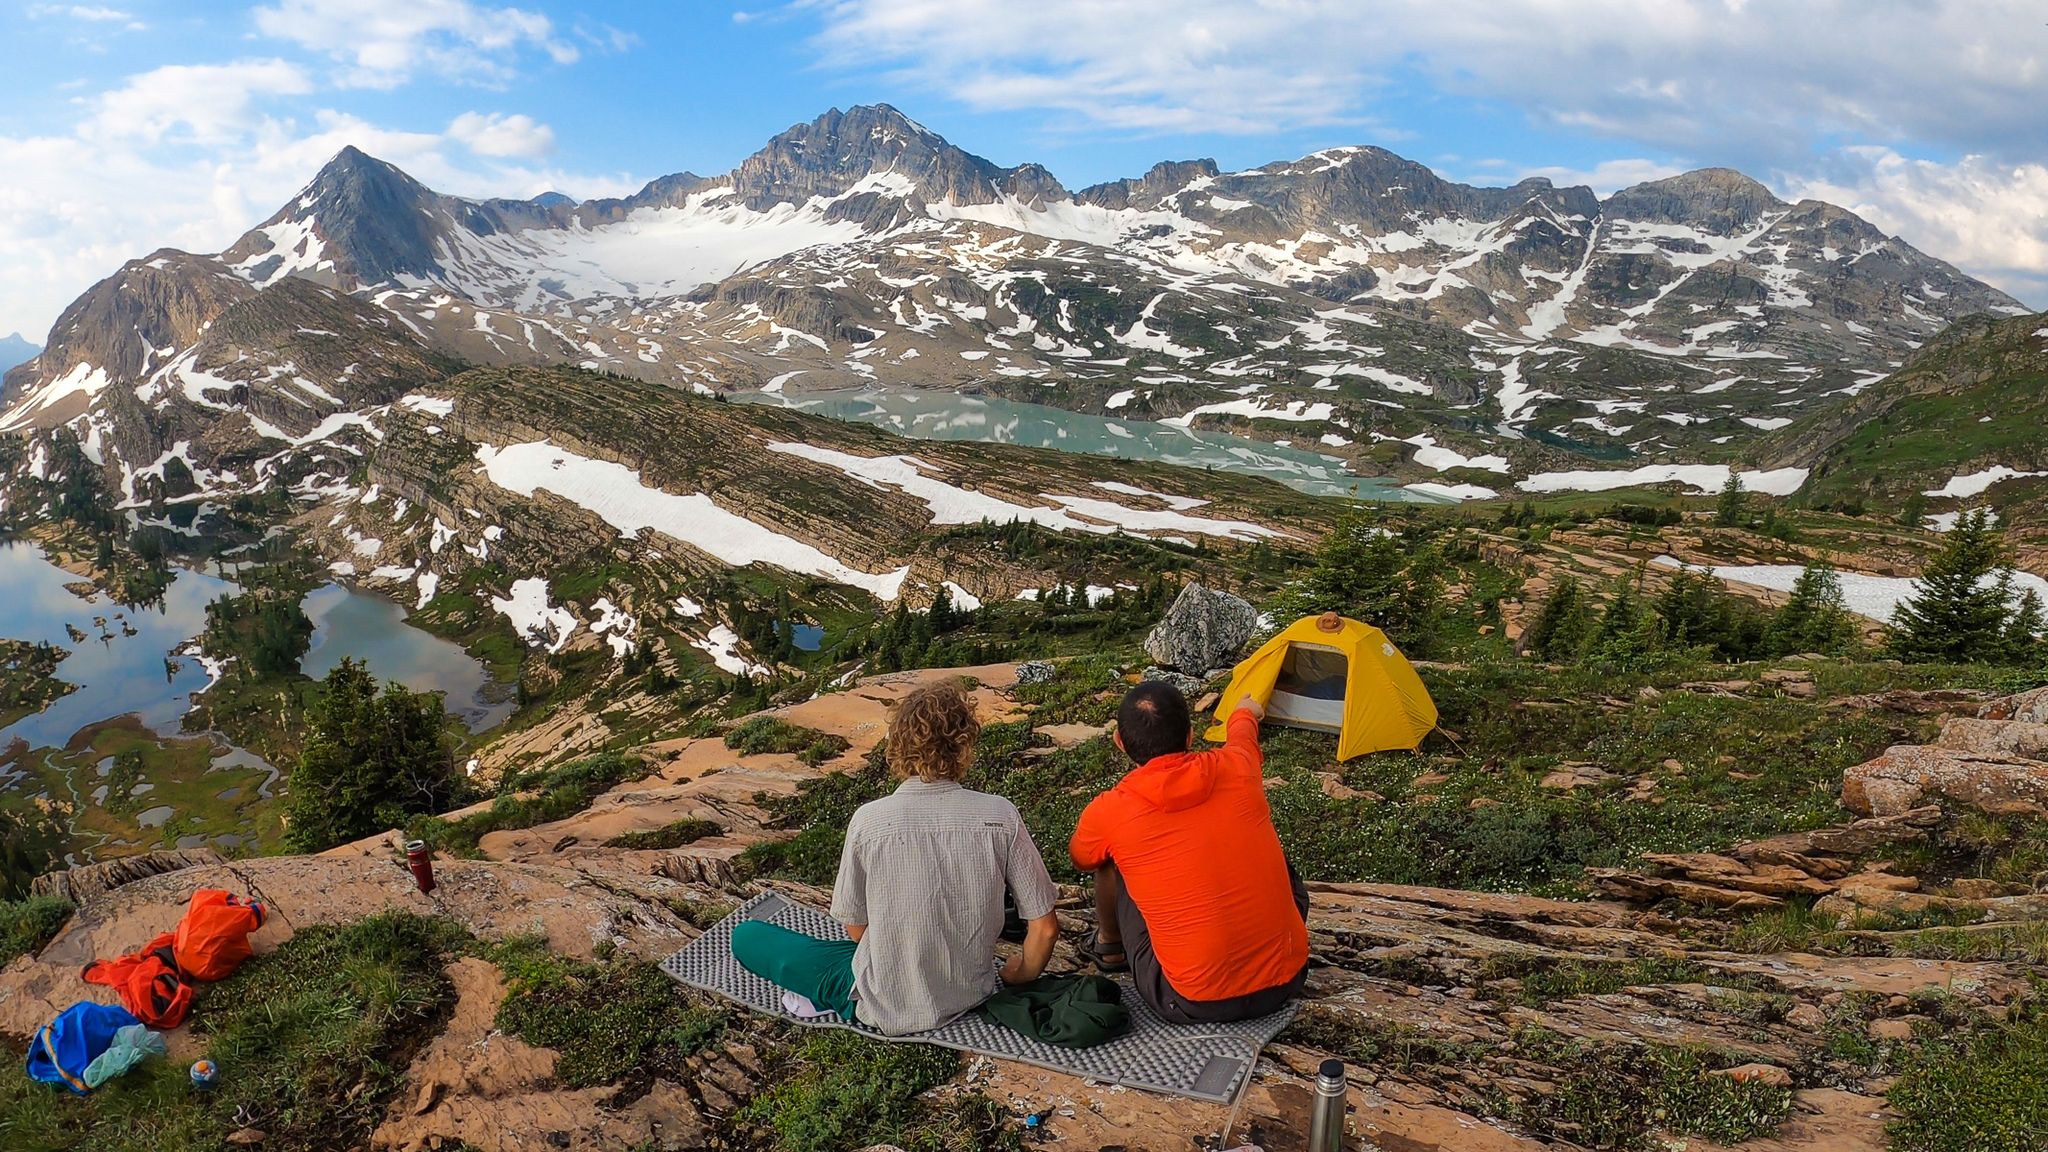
(1350, 299)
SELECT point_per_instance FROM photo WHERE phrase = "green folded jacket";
(1068, 1011)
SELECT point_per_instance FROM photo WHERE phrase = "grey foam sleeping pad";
(1203, 630)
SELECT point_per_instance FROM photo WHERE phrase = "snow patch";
(1704, 478)
(1977, 483)
(615, 493)
(531, 616)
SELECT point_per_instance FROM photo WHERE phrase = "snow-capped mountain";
(1350, 299)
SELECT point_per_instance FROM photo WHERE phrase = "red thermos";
(421, 861)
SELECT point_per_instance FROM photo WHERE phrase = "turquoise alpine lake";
(988, 420)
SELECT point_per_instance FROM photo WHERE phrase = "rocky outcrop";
(1763, 873)
(1202, 631)
(89, 882)
(1907, 774)
(1991, 761)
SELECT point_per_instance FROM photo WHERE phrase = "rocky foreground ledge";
(1471, 1020)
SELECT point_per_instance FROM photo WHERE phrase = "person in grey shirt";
(920, 888)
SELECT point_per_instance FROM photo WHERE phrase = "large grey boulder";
(1202, 631)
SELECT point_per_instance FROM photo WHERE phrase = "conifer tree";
(2024, 642)
(1626, 635)
(1562, 625)
(372, 761)
(1963, 603)
(1729, 512)
(1814, 619)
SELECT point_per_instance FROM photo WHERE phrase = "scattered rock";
(1891, 1030)
(88, 882)
(1969, 889)
(1036, 672)
(2027, 708)
(1897, 781)
(1188, 685)
(1335, 788)
(1202, 630)
(1806, 1017)
(1769, 1074)
(1880, 880)
(1995, 737)
(1575, 775)
(1912, 703)
(245, 1137)
(1728, 872)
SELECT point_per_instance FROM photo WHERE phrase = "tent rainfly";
(1332, 674)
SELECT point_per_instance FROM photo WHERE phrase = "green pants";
(821, 971)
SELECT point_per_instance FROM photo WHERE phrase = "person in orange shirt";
(1193, 893)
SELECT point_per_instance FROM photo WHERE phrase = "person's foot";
(1106, 955)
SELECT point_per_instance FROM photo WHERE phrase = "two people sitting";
(1194, 895)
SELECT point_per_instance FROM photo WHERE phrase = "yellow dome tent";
(1336, 675)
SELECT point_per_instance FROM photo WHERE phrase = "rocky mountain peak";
(360, 219)
(838, 150)
(1164, 179)
(1718, 200)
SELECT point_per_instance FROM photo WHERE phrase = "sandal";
(1091, 949)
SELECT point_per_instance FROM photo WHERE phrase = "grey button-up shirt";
(925, 869)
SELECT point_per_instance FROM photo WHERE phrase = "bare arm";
(1029, 964)
(855, 931)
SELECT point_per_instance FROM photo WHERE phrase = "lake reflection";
(352, 624)
(119, 673)
(116, 673)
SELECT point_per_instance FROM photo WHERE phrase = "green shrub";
(764, 734)
(541, 796)
(674, 835)
(27, 925)
(852, 1092)
(1982, 1090)
(621, 1023)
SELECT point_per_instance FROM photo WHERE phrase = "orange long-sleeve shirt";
(1194, 840)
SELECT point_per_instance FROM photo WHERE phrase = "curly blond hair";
(932, 733)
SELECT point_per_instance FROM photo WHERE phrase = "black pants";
(1171, 1006)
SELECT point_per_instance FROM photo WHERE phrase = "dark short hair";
(1153, 721)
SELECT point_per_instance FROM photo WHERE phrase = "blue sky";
(131, 125)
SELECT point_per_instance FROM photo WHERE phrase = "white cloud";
(496, 135)
(385, 41)
(212, 103)
(1607, 176)
(74, 207)
(1770, 86)
(1678, 74)
(77, 12)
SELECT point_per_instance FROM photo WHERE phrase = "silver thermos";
(1326, 1112)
